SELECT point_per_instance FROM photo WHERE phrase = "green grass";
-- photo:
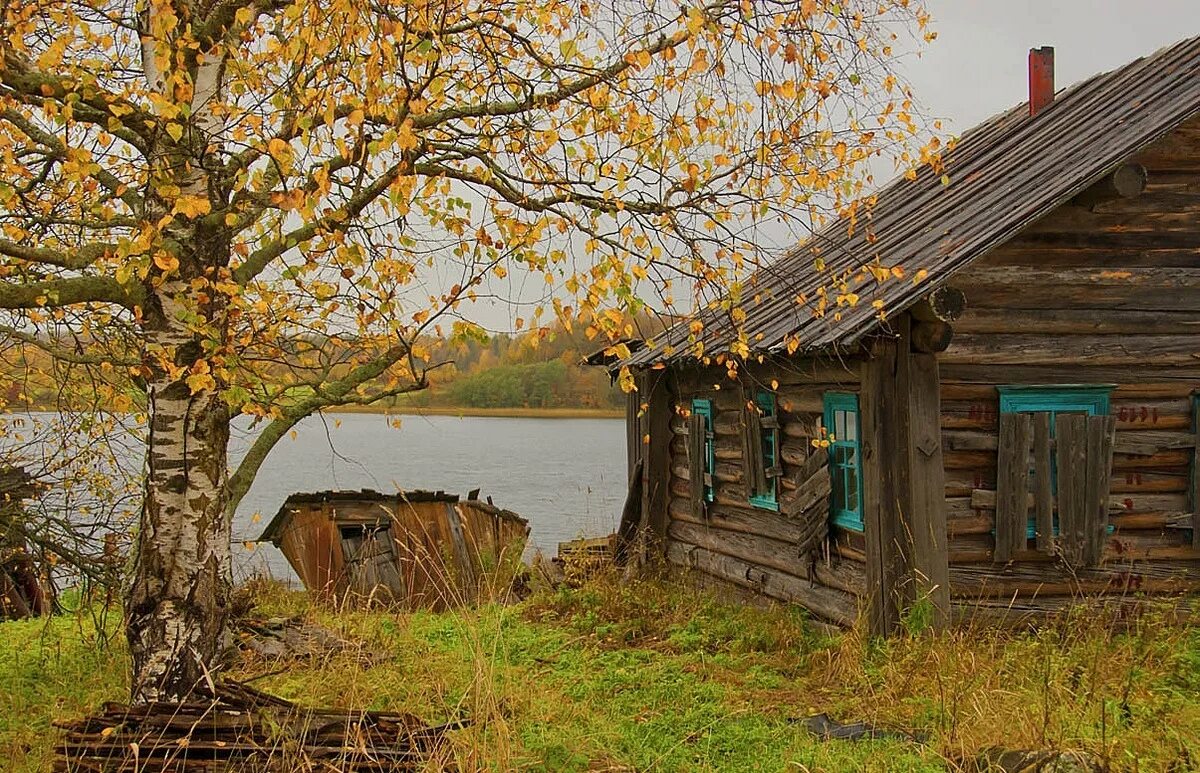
(659, 676)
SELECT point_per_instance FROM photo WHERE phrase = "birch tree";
(264, 206)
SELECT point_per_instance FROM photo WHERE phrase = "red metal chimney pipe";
(1041, 78)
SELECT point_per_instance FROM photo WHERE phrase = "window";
(845, 459)
(1054, 400)
(769, 437)
(703, 408)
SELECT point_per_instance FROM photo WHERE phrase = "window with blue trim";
(769, 420)
(704, 408)
(1092, 400)
(845, 459)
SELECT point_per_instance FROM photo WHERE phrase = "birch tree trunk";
(178, 606)
(177, 611)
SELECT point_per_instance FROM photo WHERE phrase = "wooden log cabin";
(1003, 425)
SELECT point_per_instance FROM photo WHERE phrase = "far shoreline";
(465, 412)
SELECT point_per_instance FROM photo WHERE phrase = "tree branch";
(82, 257)
(69, 291)
(333, 393)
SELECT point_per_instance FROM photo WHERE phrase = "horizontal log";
(742, 519)
(1131, 414)
(1057, 322)
(1033, 349)
(753, 548)
(1020, 581)
(836, 606)
(849, 576)
(1147, 289)
(1030, 612)
(1126, 546)
(803, 400)
(1018, 253)
(983, 499)
(983, 393)
(1131, 457)
(984, 523)
(725, 472)
(1065, 373)
(795, 452)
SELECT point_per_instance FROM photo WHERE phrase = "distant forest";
(531, 370)
(510, 371)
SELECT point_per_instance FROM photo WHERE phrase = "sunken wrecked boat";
(416, 549)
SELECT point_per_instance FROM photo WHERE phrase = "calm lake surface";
(567, 476)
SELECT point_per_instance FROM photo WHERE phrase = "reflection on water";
(567, 476)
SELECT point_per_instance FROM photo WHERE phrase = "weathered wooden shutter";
(770, 424)
(1084, 456)
(1012, 485)
(808, 502)
(1043, 483)
(697, 461)
(752, 450)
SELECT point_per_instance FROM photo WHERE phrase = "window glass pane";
(851, 431)
(839, 422)
(852, 489)
(839, 491)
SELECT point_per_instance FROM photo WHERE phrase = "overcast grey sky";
(977, 66)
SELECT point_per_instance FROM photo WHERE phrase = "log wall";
(1109, 296)
(752, 547)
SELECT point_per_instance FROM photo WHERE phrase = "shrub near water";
(654, 675)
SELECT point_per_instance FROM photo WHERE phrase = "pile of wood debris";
(24, 590)
(237, 728)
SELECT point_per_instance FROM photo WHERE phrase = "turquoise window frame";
(769, 405)
(1092, 399)
(703, 407)
(844, 517)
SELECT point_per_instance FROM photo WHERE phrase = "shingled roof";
(1004, 174)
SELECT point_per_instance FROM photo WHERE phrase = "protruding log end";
(1125, 182)
(944, 304)
(931, 337)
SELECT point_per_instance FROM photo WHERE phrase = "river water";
(566, 476)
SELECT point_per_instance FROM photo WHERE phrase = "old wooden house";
(418, 549)
(1005, 421)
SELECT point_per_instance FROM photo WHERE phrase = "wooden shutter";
(1012, 485)
(752, 450)
(771, 424)
(1101, 431)
(697, 461)
(1043, 483)
(808, 502)
(1084, 455)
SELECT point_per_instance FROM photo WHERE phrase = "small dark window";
(768, 409)
(704, 409)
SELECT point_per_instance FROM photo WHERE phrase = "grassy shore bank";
(655, 676)
(510, 413)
